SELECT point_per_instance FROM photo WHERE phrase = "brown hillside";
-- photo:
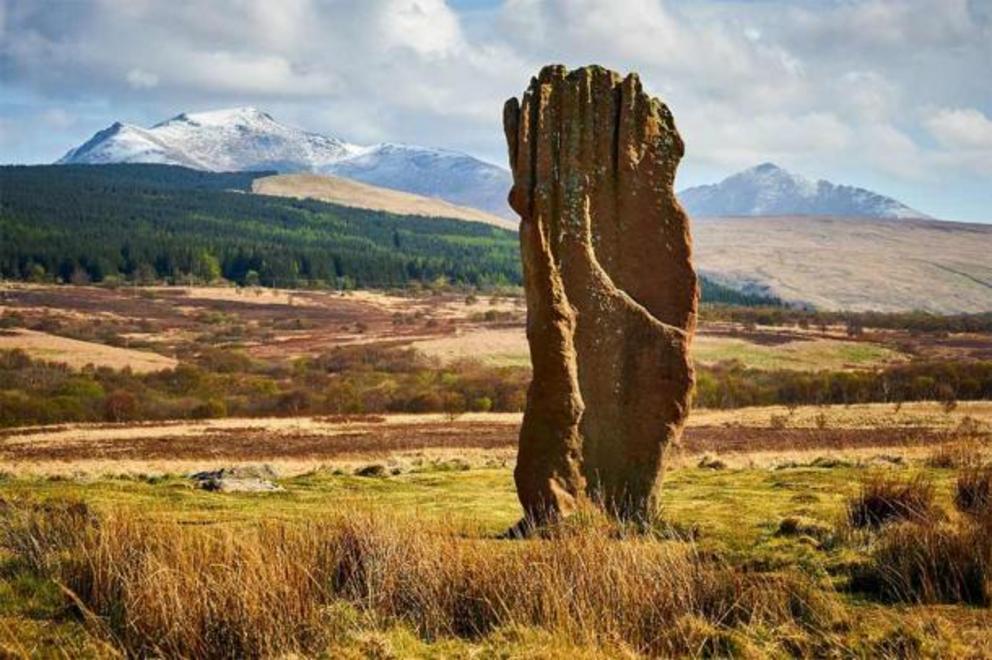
(852, 263)
(361, 195)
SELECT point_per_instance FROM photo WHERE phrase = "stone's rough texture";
(611, 293)
(248, 479)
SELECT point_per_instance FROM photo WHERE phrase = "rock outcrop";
(611, 292)
(244, 479)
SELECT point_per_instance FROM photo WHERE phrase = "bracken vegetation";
(228, 383)
(221, 382)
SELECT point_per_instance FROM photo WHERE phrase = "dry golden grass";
(924, 414)
(501, 346)
(882, 265)
(163, 589)
(78, 354)
(364, 196)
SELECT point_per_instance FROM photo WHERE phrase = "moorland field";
(830, 496)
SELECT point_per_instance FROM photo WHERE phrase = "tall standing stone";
(611, 292)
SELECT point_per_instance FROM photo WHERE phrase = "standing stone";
(611, 293)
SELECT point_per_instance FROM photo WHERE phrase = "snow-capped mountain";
(449, 175)
(767, 189)
(249, 139)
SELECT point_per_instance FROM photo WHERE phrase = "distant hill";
(242, 139)
(167, 221)
(362, 195)
(769, 190)
(851, 264)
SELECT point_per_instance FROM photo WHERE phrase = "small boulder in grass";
(373, 470)
(243, 479)
(709, 462)
(803, 526)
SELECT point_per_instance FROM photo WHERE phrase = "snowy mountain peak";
(246, 138)
(767, 189)
(245, 116)
(766, 168)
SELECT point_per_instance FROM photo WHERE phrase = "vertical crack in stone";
(611, 293)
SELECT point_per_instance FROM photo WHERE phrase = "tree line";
(153, 223)
(145, 224)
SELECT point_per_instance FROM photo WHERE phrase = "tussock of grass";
(884, 499)
(922, 557)
(276, 588)
(973, 492)
(930, 563)
(950, 455)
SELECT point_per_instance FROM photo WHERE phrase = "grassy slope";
(362, 195)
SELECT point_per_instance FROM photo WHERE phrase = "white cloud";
(730, 140)
(747, 81)
(140, 79)
(966, 137)
(429, 27)
(965, 128)
(892, 151)
(867, 95)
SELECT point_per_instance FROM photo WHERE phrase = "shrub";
(120, 406)
(210, 409)
(884, 499)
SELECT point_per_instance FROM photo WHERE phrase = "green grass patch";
(811, 355)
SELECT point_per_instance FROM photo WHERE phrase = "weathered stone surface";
(244, 479)
(611, 293)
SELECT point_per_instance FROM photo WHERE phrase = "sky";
(891, 95)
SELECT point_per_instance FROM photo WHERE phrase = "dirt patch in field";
(262, 443)
(374, 438)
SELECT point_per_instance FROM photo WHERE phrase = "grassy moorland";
(830, 497)
(888, 554)
(89, 354)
